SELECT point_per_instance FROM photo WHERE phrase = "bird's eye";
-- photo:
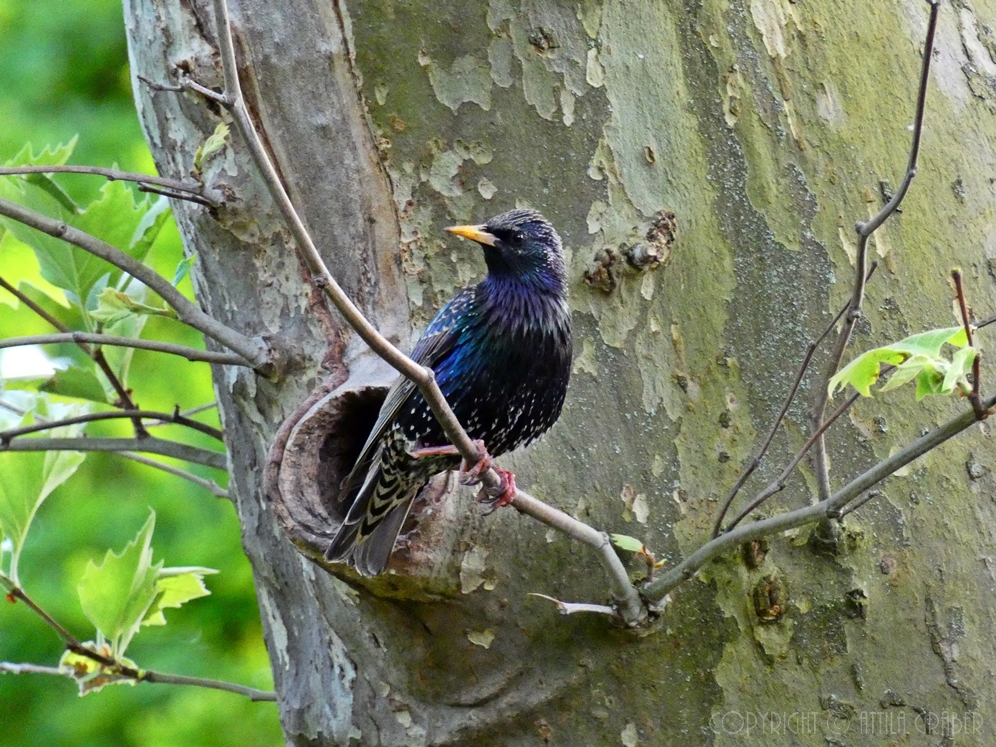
(516, 238)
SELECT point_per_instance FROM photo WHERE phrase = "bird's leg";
(471, 474)
(432, 451)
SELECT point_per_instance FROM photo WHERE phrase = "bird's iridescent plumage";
(501, 352)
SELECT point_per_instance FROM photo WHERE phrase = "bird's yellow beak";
(474, 233)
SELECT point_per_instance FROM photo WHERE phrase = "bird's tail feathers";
(368, 534)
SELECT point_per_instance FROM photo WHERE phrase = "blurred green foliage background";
(63, 72)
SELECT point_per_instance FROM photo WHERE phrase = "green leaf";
(183, 268)
(625, 542)
(961, 365)
(210, 146)
(52, 155)
(117, 594)
(906, 371)
(127, 591)
(114, 217)
(91, 675)
(929, 381)
(30, 477)
(149, 227)
(78, 382)
(922, 351)
(68, 314)
(176, 587)
(119, 358)
(114, 305)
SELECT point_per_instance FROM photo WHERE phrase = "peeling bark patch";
(771, 18)
(484, 639)
(472, 569)
(278, 631)
(551, 44)
(946, 628)
(468, 80)
(979, 46)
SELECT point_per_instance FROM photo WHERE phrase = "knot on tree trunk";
(313, 452)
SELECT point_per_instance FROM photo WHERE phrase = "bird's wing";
(435, 344)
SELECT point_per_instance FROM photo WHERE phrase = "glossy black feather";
(501, 352)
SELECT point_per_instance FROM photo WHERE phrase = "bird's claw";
(471, 474)
(504, 496)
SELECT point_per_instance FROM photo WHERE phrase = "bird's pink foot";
(471, 474)
(505, 496)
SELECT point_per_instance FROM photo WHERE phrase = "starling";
(501, 353)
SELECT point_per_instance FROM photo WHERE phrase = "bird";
(501, 354)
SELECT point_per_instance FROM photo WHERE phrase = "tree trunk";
(766, 128)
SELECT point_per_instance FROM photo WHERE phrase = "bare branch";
(570, 608)
(252, 349)
(7, 667)
(148, 445)
(165, 417)
(97, 356)
(15, 592)
(975, 397)
(780, 483)
(174, 185)
(632, 609)
(809, 514)
(865, 230)
(179, 679)
(146, 675)
(191, 354)
(759, 457)
(117, 668)
(210, 485)
(986, 323)
(176, 195)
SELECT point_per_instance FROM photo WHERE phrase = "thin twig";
(255, 695)
(253, 350)
(116, 667)
(16, 592)
(864, 231)
(160, 86)
(779, 484)
(252, 693)
(174, 185)
(9, 667)
(975, 397)
(97, 356)
(191, 354)
(986, 323)
(210, 485)
(759, 457)
(148, 445)
(631, 607)
(165, 417)
(17, 410)
(176, 195)
(855, 505)
(809, 514)
(570, 608)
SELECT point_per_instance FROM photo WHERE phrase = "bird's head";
(520, 245)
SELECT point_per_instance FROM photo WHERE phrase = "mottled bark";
(765, 127)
